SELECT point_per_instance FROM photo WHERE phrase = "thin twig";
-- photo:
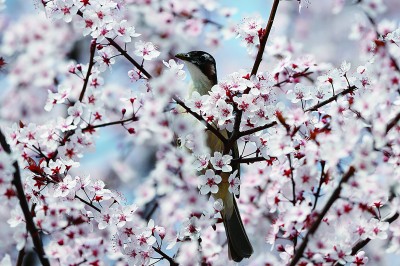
(249, 160)
(152, 211)
(264, 38)
(120, 122)
(393, 123)
(89, 71)
(204, 20)
(256, 129)
(335, 195)
(210, 127)
(321, 181)
(129, 58)
(88, 203)
(331, 99)
(292, 179)
(165, 256)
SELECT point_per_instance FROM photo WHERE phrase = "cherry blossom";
(209, 182)
(221, 162)
(234, 183)
(146, 50)
(125, 31)
(105, 58)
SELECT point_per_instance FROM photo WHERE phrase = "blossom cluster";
(317, 143)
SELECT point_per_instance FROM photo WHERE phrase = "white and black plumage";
(202, 68)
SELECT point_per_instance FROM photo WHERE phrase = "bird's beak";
(183, 57)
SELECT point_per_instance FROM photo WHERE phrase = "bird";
(203, 71)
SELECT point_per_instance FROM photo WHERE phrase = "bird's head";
(202, 67)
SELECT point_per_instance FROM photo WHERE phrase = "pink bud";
(161, 231)
(123, 111)
(280, 248)
(131, 130)
(71, 69)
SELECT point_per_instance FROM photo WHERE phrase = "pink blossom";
(146, 50)
(209, 182)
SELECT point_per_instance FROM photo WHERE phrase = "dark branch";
(335, 195)
(292, 180)
(249, 160)
(165, 256)
(120, 122)
(30, 225)
(321, 181)
(20, 259)
(204, 20)
(152, 211)
(264, 38)
(88, 203)
(393, 123)
(256, 129)
(201, 119)
(129, 58)
(333, 98)
(89, 71)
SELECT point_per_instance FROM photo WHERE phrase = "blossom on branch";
(209, 182)
(146, 50)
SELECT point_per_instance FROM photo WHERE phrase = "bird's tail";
(238, 243)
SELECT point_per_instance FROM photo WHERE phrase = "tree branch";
(88, 203)
(256, 129)
(134, 118)
(393, 123)
(333, 98)
(30, 224)
(249, 160)
(89, 71)
(20, 258)
(129, 58)
(335, 195)
(201, 119)
(321, 181)
(165, 256)
(264, 38)
(204, 20)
